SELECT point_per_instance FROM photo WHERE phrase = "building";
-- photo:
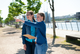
(77, 15)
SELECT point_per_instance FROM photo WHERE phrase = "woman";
(41, 42)
(29, 44)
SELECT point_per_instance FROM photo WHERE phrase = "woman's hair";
(42, 15)
(31, 12)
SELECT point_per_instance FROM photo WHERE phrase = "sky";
(62, 7)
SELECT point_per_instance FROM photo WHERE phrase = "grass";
(64, 42)
(71, 43)
(51, 36)
(55, 37)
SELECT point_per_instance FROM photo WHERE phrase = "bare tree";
(51, 3)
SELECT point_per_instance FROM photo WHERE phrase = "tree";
(34, 5)
(6, 21)
(1, 18)
(11, 19)
(0, 12)
(52, 8)
(15, 9)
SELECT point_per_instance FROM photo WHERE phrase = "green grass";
(55, 37)
(64, 42)
(51, 36)
(68, 44)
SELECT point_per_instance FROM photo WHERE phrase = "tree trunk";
(53, 20)
(54, 35)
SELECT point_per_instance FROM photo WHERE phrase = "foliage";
(44, 0)
(65, 19)
(34, 5)
(6, 20)
(0, 11)
(1, 19)
(15, 9)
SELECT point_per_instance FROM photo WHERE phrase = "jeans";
(30, 47)
(41, 49)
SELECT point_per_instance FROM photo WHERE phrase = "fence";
(74, 26)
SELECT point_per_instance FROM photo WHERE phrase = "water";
(74, 26)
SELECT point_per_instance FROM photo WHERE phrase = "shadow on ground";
(11, 32)
(76, 42)
(20, 51)
(50, 50)
(66, 46)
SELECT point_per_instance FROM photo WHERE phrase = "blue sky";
(62, 7)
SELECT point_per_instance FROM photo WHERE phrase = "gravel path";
(11, 43)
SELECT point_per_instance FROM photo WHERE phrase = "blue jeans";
(41, 49)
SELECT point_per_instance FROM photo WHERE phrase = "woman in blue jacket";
(41, 42)
(29, 44)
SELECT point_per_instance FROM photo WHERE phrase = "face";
(39, 18)
(29, 16)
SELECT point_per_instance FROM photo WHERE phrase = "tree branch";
(50, 4)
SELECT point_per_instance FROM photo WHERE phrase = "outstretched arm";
(19, 20)
(38, 24)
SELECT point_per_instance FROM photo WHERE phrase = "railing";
(74, 26)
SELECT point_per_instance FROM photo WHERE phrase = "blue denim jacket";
(26, 30)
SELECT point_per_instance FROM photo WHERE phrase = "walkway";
(62, 33)
(11, 43)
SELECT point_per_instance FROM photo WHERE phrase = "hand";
(19, 20)
(25, 46)
(30, 38)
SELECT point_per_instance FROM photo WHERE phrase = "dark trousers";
(30, 47)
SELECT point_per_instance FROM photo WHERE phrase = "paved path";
(11, 43)
(62, 33)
